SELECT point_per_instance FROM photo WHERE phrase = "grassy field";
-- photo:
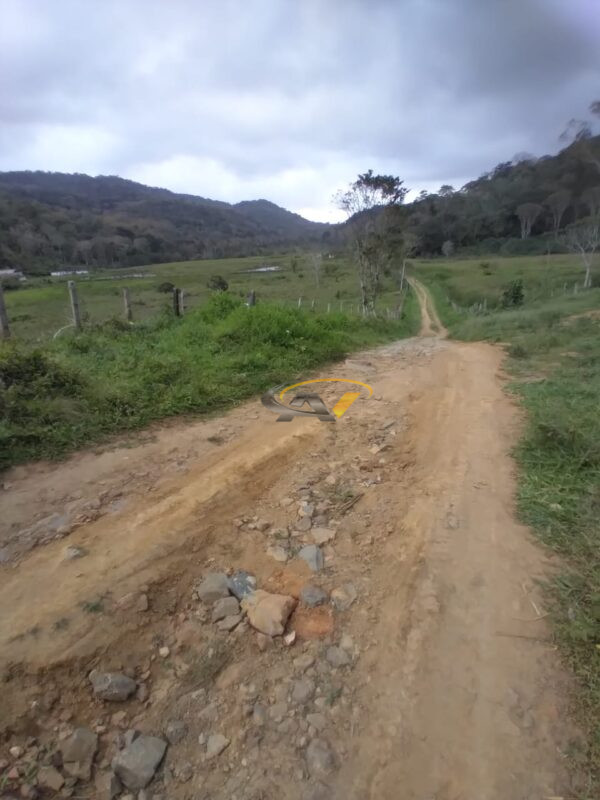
(553, 346)
(77, 390)
(42, 308)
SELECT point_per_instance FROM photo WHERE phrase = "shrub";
(217, 283)
(513, 296)
(165, 287)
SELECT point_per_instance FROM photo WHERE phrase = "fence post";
(176, 302)
(4, 327)
(328, 307)
(180, 302)
(312, 306)
(341, 305)
(251, 300)
(127, 305)
(299, 302)
(74, 304)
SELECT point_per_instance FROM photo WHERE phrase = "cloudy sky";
(290, 99)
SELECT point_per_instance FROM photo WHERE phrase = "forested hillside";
(49, 220)
(518, 200)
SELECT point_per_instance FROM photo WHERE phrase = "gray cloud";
(289, 100)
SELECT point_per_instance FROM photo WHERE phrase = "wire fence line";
(78, 310)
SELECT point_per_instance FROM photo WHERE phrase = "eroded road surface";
(421, 667)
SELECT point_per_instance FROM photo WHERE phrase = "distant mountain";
(52, 219)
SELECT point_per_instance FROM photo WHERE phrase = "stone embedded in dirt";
(164, 652)
(112, 685)
(175, 731)
(278, 711)
(303, 690)
(225, 607)
(183, 772)
(16, 751)
(78, 753)
(312, 595)
(303, 524)
(338, 657)
(320, 521)
(262, 525)
(142, 693)
(304, 662)
(229, 623)
(108, 786)
(318, 721)
(322, 535)
(268, 613)
(347, 643)
(259, 715)
(213, 587)
(216, 744)
(313, 623)
(278, 552)
(343, 596)
(285, 502)
(289, 638)
(142, 603)
(263, 642)
(50, 778)
(313, 557)
(136, 764)
(241, 584)
(72, 552)
(320, 759)
(306, 509)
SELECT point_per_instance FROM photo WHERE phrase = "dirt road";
(442, 683)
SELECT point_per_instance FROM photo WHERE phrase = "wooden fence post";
(74, 304)
(176, 301)
(251, 300)
(180, 302)
(4, 327)
(328, 307)
(312, 306)
(299, 302)
(127, 305)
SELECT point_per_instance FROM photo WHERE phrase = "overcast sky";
(290, 99)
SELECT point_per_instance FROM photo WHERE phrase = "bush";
(513, 296)
(217, 283)
(165, 287)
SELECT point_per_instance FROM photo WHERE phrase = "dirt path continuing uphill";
(431, 324)
(449, 688)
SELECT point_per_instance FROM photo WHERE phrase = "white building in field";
(64, 272)
(12, 273)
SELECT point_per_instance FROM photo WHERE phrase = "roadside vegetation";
(78, 390)
(552, 339)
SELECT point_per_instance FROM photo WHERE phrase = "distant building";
(64, 272)
(12, 273)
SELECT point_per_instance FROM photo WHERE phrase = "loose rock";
(278, 552)
(312, 595)
(241, 584)
(303, 690)
(343, 596)
(72, 552)
(229, 623)
(112, 685)
(313, 557)
(216, 744)
(136, 764)
(322, 535)
(213, 587)
(50, 778)
(304, 662)
(303, 524)
(318, 721)
(268, 613)
(78, 753)
(225, 607)
(108, 786)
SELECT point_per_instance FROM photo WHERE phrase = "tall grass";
(116, 377)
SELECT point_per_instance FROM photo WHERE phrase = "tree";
(591, 198)
(371, 203)
(584, 240)
(446, 190)
(527, 214)
(558, 202)
(448, 248)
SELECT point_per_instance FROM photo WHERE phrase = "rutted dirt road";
(437, 682)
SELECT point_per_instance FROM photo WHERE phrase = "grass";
(553, 348)
(79, 390)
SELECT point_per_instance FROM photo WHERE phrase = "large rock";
(214, 586)
(136, 764)
(50, 778)
(241, 584)
(268, 613)
(225, 607)
(78, 753)
(312, 595)
(313, 557)
(112, 685)
(320, 759)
